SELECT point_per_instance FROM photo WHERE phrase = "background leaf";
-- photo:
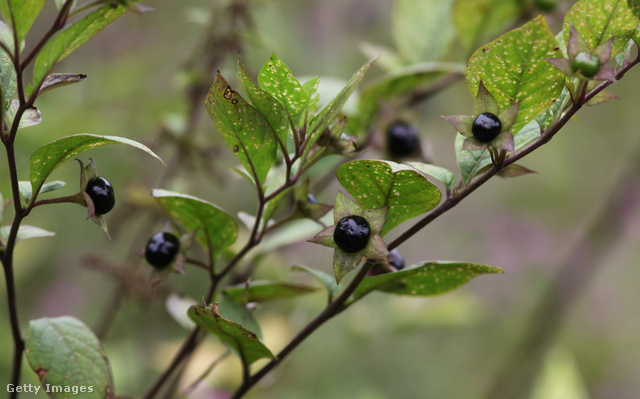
(479, 21)
(422, 29)
(8, 81)
(47, 158)
(26, 231)
(598, 21)
(63, 351)
(425, 279)
(262, 291)
(242, 342)
(327, 280)
(71, 38)
(513, 69)
(376, 184)
(24, 13)
(243, 129)
(214, 226)
(276, 79)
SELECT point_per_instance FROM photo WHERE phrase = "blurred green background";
(454, 346)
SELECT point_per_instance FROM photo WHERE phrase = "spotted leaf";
(377, 184)
(243, 128)
(513, 68)
(276, 79)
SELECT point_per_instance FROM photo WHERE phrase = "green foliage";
(276, 79)
(513, 68)
(598, 21)
(64, 352)
(22, 13)
(377, 184)
(24, 232)
(215, 229)
(425, 279)
(244, 129)
(244, 343)
(49, 157)
(479, 21)
(71, 38)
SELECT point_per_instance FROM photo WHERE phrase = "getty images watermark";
(48, 388)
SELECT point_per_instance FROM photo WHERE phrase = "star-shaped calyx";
(354, 235)
(584, 63)
(489, 126)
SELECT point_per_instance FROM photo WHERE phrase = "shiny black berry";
(486, 127)
(161, 249)
(352, 233)
(101, 193)
(397, 260)
(402, 139)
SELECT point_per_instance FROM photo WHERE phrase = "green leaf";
(47, 158)
(513, 68)
(444, 175)
(276, 79)
(598, 21)
(30, 116)
(327, 280)
(64, 352)
(262, 291)
(422, 29)
(269, 107)
(425, 279)
(8, 82)
(242, 342)
(470, 162)
(546, 119)
(215, 229)
(399, 83)
(234, 311)
(376, 184)
(25, 189)
(71, 38)
(25, 232)
(329, 114)
(479, 21)
(243, 129)
(22, 13)
(311, 88)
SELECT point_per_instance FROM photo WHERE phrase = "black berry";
(586, 63)
(402, 139)
(486, 127)
(352, 233)
(101, 193)
(161, 249)
(397, 260)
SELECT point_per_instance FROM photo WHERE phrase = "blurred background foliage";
(455, 346)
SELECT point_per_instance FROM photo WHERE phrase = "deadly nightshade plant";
(345, 259)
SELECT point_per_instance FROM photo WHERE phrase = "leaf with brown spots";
(243, 129)
(425, 279)
(513, 68)
(63, 351)
(376, 184)
(276, 79)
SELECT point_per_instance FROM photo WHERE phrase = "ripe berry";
(352, 233)
(486, 127)
(402, 139)
(101, 193)
(586, 63)
(161, 249)
(397, 260)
